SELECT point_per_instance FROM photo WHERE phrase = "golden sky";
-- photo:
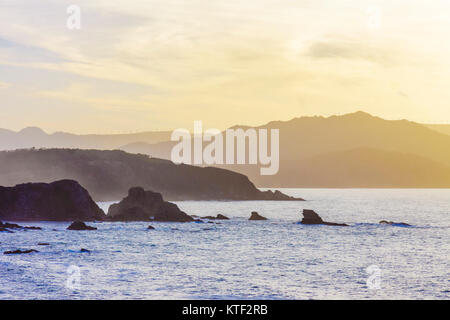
(140, 65)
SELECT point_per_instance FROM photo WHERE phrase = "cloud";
(218, 60)
(4, 85)
(356, 49)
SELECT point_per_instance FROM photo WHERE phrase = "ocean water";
(241, 259)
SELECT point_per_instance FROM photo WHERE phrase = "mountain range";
(351, 150)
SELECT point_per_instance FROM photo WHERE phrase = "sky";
(142, 65)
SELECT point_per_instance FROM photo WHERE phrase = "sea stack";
(141, 205)
(311, 217)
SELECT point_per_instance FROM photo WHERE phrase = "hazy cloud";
(4, 85)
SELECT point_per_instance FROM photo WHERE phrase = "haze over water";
(240, 259)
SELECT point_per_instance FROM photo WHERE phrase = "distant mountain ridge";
(350, 150)
(33, 137)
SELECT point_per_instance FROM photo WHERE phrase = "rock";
(218, 217)
(151, 228)
(20, 251)
(311, 217)
(255, 216)
(84, 250)
(395, 223)
(79, 225)
(64, 200)
(43, 244)
(132, 214)
(32, 228)
(141, 205)
(277, 196)
(5, 226)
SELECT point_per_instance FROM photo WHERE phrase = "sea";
(239, 259)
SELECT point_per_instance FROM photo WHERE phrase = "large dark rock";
(311, 217)
(255, 216)
(80, 225)
(64, 200)
(141, 205)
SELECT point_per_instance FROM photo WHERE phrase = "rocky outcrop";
(255, 216)
(6, 226)
(218, 217)
(311, 217)
(64, 200)
(20, 251)
(80, 225)
(277, 196)
(141, 205)
(395, 223)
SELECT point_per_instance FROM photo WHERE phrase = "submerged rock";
(64, 200)
(141, 205)
(255, 216)
(43, 244)
(20, 251)
(311, 217)
(151, 228)
(395, 223)
(80, 225)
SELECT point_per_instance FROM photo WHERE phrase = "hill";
(108, 175)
